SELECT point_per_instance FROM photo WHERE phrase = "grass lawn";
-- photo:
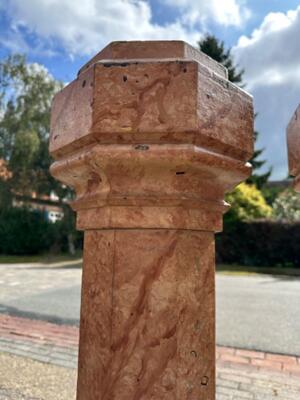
(39, 258)
(249, 270)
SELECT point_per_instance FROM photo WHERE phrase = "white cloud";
(83, 27)
(271, 55)
(271, 58)
(224, 12)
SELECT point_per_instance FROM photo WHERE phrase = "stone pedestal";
(293, 141)
(150, 135)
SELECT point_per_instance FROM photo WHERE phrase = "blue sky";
(63, 34)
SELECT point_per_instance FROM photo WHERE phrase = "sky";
(264, 36)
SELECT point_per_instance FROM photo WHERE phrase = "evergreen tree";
(215, 49)
(259, 180)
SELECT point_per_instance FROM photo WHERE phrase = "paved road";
(49, 292)
(259, 312)
(254, 312)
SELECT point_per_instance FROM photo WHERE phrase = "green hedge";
(26, 232)
(259, 243)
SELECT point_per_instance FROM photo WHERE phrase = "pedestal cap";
(151, 134)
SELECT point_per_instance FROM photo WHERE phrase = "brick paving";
(39, 340)
(241, 374)
(258, 361)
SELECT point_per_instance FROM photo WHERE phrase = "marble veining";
(147, 315)
(150, 135)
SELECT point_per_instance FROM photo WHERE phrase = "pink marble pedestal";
(150, 135)
(293, 140)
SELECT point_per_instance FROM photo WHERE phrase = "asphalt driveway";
(253, 312)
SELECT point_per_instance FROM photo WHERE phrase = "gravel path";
(26, 379)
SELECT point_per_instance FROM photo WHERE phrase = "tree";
(258, 179)
(215, 49)
(26, 92)
(5, 175)
(286, 207)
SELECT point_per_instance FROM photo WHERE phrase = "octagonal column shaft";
(148, 315)
(293, 141)
(150, 135)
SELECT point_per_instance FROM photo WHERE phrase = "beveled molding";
(159, 100)
(149, 186)
(293, 141)
(151, 135)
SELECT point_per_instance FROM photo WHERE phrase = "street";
(253, 312)
(259, 312)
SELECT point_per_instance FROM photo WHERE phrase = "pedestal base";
(147, 316)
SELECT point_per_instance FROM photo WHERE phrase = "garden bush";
(287, 206)
(260, 243)
(246, 203)
(24, 232)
